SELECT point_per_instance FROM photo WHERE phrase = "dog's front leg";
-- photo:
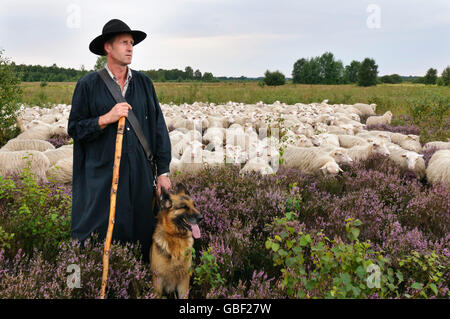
(183, 288)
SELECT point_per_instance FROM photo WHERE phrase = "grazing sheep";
(362, 153)
(14, 163)
(27, 144)
(56, 154)
(409, 142)
(366, 109)
(257, 164)
(339, 154)
(40, 131)
(348, 141)
(303, 141)
(438, 169)
(325, 139)
(309, 160)
(437, 144)
(408, 160)
(378, 120)
(61, 171)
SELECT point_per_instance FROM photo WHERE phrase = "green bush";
(207, 273)
(10, 93)
(38, 216)
(274, 78)
(425, 273)
(315, 266)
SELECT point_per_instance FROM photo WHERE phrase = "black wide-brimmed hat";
(112, 28)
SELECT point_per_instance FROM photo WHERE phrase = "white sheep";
(310, 160)
(437, 144)
(438, 169)
(55, 155)
(409, 142)
(61, 171)
(362, 153)
(257, 164)
(348, 141)
(27, 144)
(377, 120)
(366, 109)
(39, 130)
(408, 160)
(14, 163)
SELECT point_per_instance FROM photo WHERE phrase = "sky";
(233, 37)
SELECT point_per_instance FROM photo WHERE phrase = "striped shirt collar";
(127, 80)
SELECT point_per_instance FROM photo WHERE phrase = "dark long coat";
(93, 159)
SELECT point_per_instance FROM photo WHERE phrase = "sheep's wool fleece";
(93, 159)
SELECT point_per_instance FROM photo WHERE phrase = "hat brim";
(97, 45)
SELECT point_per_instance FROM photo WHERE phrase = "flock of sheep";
(315, 138)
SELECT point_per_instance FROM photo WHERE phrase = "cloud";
(232, 37)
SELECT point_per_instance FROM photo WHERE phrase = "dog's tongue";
(195, 231)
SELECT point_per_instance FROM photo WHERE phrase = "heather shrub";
(31, 277)
(403, 129)
(59, 140)
(38, 216)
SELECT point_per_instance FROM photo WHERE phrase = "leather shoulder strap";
(114, 89)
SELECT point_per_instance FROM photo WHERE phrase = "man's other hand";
(163, 181)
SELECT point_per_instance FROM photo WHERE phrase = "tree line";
(325, 69)
(38, 73)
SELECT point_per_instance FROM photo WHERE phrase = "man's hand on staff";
(163, 181)
(119, 110)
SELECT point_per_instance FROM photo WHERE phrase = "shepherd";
(93, 126)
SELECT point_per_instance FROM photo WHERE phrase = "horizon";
(233, 38)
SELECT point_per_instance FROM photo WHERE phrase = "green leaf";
(268, 244)
(399, 276)
(416, 285)
(434, 288)
(275, 247)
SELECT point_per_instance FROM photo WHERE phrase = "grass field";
(427, 107)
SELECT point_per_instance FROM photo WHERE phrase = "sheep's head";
(388, 114)
(330, 168)
(380, 148)
(341, 156)
(411, 159)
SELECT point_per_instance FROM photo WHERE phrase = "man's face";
(121, 50)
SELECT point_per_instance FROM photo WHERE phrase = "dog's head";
(179, 208)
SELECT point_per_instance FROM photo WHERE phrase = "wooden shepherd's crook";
(112, 204)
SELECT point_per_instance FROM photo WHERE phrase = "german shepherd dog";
(170, 254)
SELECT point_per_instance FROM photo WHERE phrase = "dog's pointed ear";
(166, 201)
(181, 189)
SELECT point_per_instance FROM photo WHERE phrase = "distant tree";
(197, 75)
(207, 77)
(298, 73)
(351, 72)
(189, 73)
(101, 63)
(10, 94)
(331, 71)
(367, 74)
(386, 79)
(396, 78)
(431, 76)
(274, 78)
(445, 76)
